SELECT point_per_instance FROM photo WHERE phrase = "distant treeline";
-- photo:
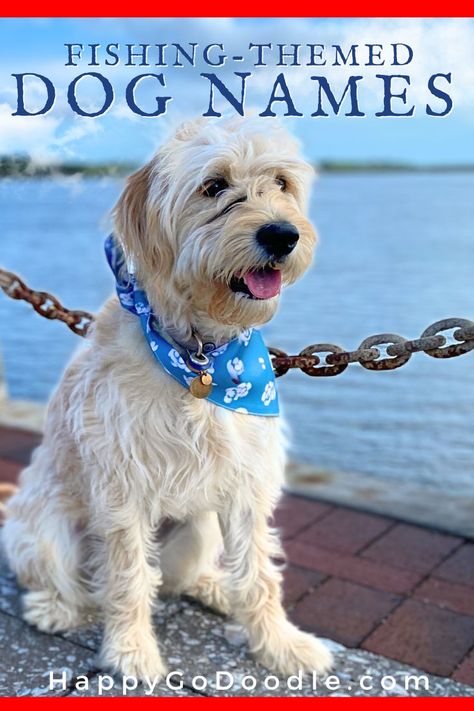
(387, 167)
(22, 166)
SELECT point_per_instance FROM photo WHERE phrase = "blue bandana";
(241, 370)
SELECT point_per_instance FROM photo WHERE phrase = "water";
(396, 253)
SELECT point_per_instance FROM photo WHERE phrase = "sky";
(439, 46)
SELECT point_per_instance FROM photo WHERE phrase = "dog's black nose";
(278, 239)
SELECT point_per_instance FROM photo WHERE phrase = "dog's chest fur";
(187, 454)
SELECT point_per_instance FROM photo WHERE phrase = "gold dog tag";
(201, 386)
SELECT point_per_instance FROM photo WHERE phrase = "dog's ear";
(131, 218)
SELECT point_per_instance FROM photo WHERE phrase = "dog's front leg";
(255, 591)
(130, 578)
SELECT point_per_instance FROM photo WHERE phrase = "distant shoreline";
(22, 167)
(349, 167)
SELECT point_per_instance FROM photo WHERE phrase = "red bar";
(273, 703)
(243, 8)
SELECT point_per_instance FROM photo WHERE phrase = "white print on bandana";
(262, 363)
(235, 368)
(240, 391)
(219, 351)
(142, 308)
(245, 336)
(269, 393)
(126, 299)
(177, 360)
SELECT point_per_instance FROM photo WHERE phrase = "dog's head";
(215, 224)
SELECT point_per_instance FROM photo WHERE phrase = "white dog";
(214, 225)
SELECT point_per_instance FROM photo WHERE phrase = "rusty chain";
(398, 349)
(45, 304)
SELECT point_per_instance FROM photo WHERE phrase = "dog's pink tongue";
(264, 283)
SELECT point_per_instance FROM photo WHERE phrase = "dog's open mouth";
(259, 284)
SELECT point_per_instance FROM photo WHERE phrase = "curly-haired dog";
(214, 224)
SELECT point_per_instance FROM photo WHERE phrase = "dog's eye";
(281, 182)
(214, 187)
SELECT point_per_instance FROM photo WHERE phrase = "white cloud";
(21, 134)
(44, 139)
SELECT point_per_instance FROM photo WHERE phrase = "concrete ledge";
(22, 414)
(19, 413)
(437, 508)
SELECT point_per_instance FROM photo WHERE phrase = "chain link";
(398, 349)
(45, 304)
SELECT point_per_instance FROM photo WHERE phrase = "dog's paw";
(292, 650)
(140, 659)
(47, 611)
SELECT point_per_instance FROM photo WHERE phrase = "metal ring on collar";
(197, 362)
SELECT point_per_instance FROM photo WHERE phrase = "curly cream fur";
(126, 447)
